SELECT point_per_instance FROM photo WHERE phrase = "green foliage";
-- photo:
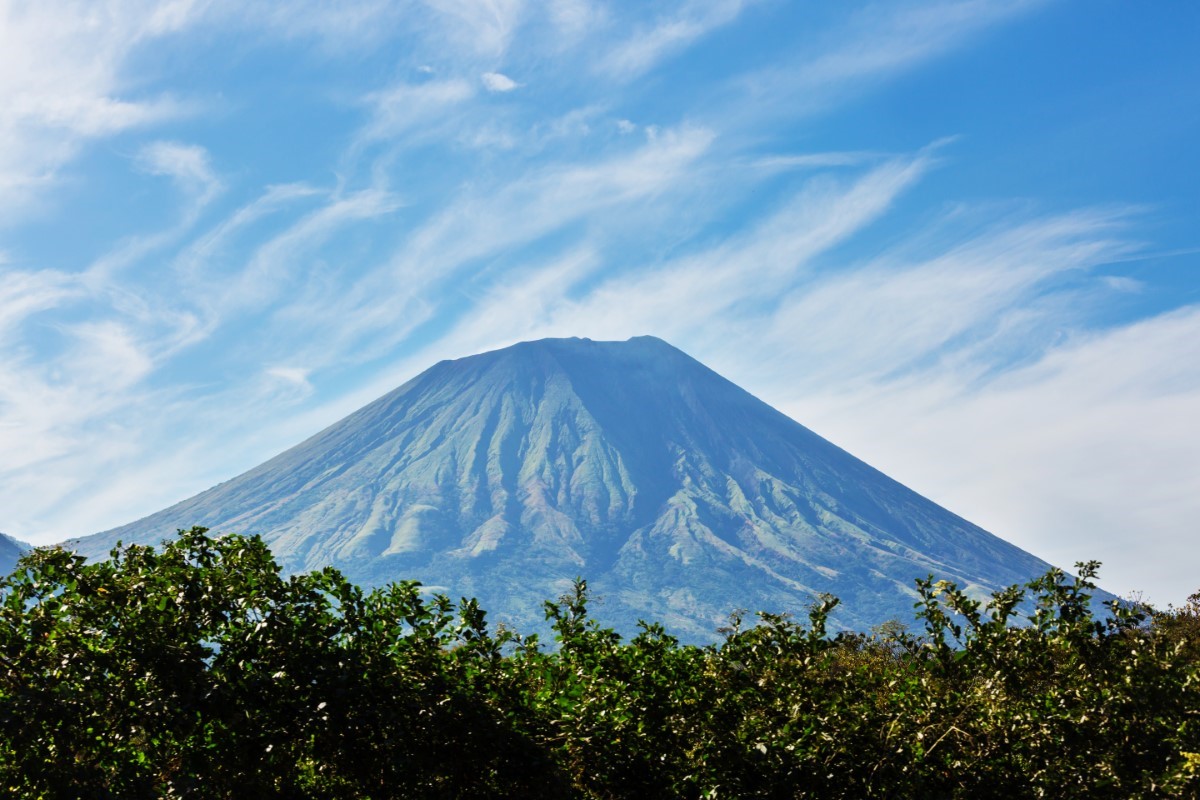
(200, 671)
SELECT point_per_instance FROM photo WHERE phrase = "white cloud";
(61, 85)
(516, 310)
(883, 318)
(47, 410)
(186, 164)
(667, 36)
(201, 256)
(24, 293)
(483, 26)
(817, 160)
(905, 35)
(407, 108)
(574, 124)
(188, 167)
(357, 23)
(65, 80)
(170, 16)
(1089, 452)
(386, 303)
(876, 45)
(498, 82)
(1123, 284)
(281, 259)
(294, 378)
(704, 290)
(494, 219)
(574, 18)
(490, 137)
(104, 355)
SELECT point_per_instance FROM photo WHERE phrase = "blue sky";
(956, 238)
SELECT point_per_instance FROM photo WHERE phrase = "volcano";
(679, 496)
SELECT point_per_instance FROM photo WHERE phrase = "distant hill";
(678, 495)
(10, 550)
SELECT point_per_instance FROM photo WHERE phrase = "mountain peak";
(678, 495)
(574, 347)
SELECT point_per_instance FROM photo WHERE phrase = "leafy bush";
(200, 671)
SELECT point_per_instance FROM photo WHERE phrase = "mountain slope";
(10, 550)
(677, 494)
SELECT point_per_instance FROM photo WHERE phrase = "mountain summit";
(678, 495)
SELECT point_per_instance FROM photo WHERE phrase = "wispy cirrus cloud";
(62, 85)
(874, 45)
(277, 261)
(66, 82)
(362, 23)
(885, 318)
(187, 164)
(573, 19)
(406, 108)
(816, 160)
(485, 26)
(444, 252)
(701, 297)
(885, 38)
(666, 36)
(202, 255)
(24, 293)
(188, 167)
(294, 377)
(1087, 452)
(494, 219)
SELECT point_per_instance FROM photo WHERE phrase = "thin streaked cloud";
(668, 34)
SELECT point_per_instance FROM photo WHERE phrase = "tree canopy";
(199, 670)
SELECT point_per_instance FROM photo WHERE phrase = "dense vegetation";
(199, 671)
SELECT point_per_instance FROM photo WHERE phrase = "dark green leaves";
(198, 670)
